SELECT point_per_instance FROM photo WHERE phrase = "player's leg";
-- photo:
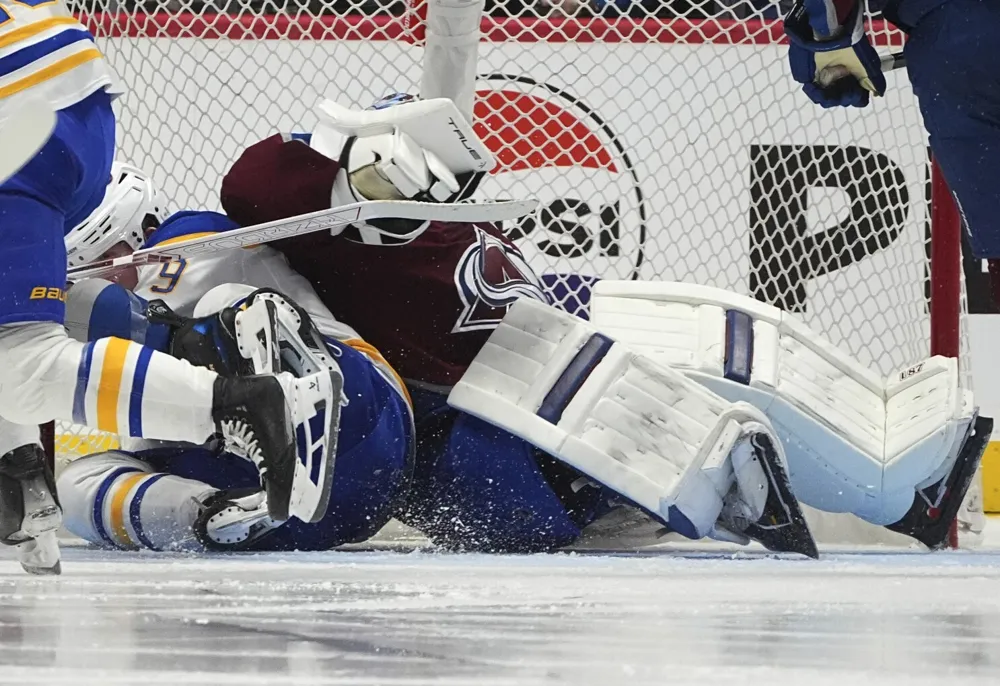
(954, 66)
(374, 442)
(899, 452)
(699, 464)
(116, 500)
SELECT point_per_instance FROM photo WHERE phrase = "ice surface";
(420, 618)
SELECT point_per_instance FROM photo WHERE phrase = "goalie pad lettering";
(854, 442)
(641, 429)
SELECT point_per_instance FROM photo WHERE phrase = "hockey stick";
(324, 220)
(889, 62)
(23, 135)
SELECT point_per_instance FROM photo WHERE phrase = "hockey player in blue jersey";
(954, 65)
(48, 57)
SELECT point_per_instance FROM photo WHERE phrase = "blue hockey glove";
(839, 72)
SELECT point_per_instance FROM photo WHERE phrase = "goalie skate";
(936, 507)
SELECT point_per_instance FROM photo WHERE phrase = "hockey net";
(665, 139)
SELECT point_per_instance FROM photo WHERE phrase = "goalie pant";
(150, 498)
(110, 384)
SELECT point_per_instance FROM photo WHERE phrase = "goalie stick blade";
(324, 220)
(22, 135)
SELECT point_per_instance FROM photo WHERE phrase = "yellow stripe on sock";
(108, 390)
(51, 71)
(122, 489)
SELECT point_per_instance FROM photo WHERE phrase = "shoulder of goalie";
(898, 451)
(696, 462)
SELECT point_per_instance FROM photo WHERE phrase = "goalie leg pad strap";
(641, 429)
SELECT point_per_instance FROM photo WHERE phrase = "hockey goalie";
(443, 295)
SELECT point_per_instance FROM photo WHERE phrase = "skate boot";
(283, 425)
(30, 515)
(782, 526)
(233, 520)
(213, 341)
(936, 506)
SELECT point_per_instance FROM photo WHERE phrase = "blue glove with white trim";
(841, 70)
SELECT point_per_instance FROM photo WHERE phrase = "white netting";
(666, 139)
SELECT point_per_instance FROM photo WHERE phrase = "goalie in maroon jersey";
(430, 304)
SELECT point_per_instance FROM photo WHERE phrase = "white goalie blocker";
(854, 442)
(647, 432)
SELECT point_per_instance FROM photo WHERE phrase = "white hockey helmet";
(131, 206)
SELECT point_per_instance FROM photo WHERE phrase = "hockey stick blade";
(324, 220)
(22, 135)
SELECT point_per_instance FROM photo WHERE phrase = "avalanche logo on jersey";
(490, 276)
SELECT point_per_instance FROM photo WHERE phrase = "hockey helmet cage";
(131, 206)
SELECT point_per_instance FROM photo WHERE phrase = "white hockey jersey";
(182, 283)
(47, 55)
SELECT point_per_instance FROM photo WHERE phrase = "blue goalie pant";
(478, 488)
(953, 60)
(51, 194)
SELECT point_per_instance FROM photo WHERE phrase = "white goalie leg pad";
(855, 442)
(644, 430)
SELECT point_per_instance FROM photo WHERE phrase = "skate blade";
(40, 556)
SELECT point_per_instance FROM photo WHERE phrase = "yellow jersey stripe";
(122, 489)
(371, 351)
(30, 30)
(109, 388)
(190, 236)
(51, 71)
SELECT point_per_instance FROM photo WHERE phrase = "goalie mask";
(131, 206)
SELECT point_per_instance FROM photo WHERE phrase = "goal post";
(665, 140)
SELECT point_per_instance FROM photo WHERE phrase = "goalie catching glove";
(833, 59)
(401, 148)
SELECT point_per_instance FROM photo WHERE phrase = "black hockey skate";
(30, 514)
(782, 528)
(251, 414)
(935, 507)
(233, 520)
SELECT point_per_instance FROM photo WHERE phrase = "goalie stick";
(324, 220)
(22, 135)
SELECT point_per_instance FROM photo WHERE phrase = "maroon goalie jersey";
(428, 305)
